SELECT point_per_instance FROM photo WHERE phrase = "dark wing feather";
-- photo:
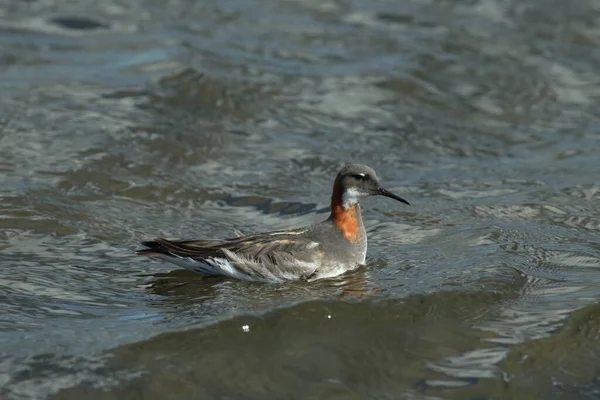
(254, 247)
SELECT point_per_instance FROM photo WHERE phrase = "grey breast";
(337, 249)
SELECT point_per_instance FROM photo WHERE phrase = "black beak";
(391, 195)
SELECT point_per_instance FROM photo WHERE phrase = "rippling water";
(125, 120)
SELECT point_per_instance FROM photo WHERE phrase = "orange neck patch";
(344, 218)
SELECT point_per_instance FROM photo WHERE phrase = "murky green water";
(125, 120)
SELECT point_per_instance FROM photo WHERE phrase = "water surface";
(121, 121)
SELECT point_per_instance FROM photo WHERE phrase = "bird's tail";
(155, 249)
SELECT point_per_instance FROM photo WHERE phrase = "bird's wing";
(270, 256)
(266, 247)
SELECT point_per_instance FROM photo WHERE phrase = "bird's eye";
(361, 177)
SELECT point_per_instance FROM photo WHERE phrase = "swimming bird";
(325, 249)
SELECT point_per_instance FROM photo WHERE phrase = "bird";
(323, 250)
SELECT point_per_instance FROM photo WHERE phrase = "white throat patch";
(350, 197)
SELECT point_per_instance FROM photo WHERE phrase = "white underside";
(210, 266)
(332, 272)
(224, 267)
(364, 255)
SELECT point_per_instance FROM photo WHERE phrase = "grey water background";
(125, 120)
